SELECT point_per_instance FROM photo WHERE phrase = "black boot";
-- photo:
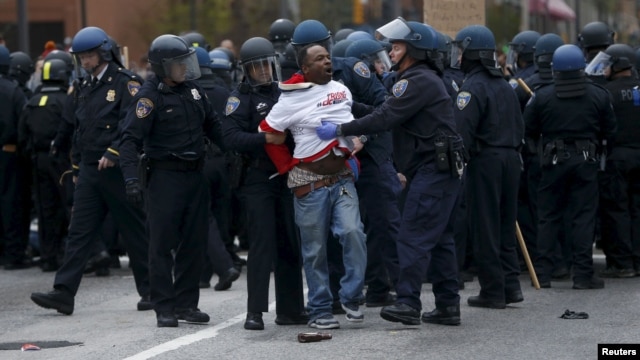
(449, 315)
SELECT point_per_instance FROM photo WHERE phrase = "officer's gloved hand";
(134, 193)
(327, 130)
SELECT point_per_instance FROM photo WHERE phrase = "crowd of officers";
(453, 150)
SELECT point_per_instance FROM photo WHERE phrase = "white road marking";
(177, 343)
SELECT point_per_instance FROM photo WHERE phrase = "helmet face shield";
(599, 64)
(512, 55)
(457, 49)
(381, 61)
(397, 29)
(182, 68)
(262, 71)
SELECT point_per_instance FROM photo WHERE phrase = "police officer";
(196, 39)
(373, 54)
(218, 260)
(12, 100)
(378, 185)
(452, 77)
(426, 228)
(280, 33)
(595, 37)
(489, 120)
(99, 106)
(569, 117)
(530, 178)
(22, 68)
(619, 183)
(520, 56)
(38, 126)
(170, 119)
(268, 203)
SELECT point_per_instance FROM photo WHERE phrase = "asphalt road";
(106, 325)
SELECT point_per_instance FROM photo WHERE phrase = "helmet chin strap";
(396, 66)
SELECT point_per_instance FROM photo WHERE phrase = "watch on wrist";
(339, 130)
(362, 138)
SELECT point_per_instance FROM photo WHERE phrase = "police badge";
(111, 95)
(196, 94)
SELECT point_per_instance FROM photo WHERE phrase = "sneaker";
(325, 322)
(353, 313)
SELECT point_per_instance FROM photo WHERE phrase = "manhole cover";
(42, 344)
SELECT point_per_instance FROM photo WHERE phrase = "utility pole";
(23, 26)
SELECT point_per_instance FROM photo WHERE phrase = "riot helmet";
(116, 55)
(568, 58)
(195, 39)
(372, 52)
(259, 62)
(596, 34)
(61, 55)
(55, 70)
(568, 66)
(219, 60)
(544, 48)
(622, 57)
(421, 41)
(21, 67)
(360, 35)
(5, 60)
(342, 34)
(311, 32)
(280, 34)
(340, 48)
(637, 64)
(204, 61)
(444, 48)
(172, 58)
(92, 38)
(230, 56)
(521, 48)
(475, 43)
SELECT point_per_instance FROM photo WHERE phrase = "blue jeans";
(334, 208)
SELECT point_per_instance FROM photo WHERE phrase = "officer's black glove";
(134, 193)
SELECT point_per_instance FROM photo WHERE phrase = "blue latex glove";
(327, 130)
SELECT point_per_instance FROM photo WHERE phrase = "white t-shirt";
(301, 108)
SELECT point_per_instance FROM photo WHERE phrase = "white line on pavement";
(177, 343)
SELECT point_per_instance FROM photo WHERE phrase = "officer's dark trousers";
(96, 193)
(273, 244)
(425, 240)
(218, 258)
(52, 216)
(568, 198)
(11, 230)
(620, 208)
(528, 205)
(177, 212)
(492, 189)
(378, 190)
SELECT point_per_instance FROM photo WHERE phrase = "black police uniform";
(37, 129)
(216, 171)
(489, 120)
(170, 124)
(569, 129)
(426, 228)
(378, 189)
(99, 109)
(620, 182)
(12, 101)
(268, 203)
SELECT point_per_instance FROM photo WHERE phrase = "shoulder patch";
(362, 69)
(513, 83)
(400, 87)
(144, 108)
(232, 104)
(133, 87)
(464, 98)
